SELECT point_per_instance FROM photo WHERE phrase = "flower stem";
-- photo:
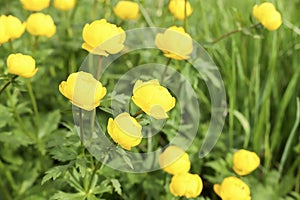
(99, 67)
(33, 102)
(95, 9)
(7, 83)
(185, 16)
(81, 125)
(11, 46)
(138, 113)
(165, 71)
(233, 32)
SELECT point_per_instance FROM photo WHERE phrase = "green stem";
(81, 125)
(233, 32)
(7, 83)
(185, 16)
(35, 43)
(33, 102)
(165, 71)
(11, 45)
(138, 113)
(68, 25)
(99, 67)
(95, 9)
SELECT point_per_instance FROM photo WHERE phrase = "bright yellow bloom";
(175, 43)
(64, 4)
(267, 15)
(21, 65)
(125, 130)
(152, 98)
(232, 188)
(127, 10)
(11, 26)
(39, 24)
(177, 9)
(35, 5)
(4, 36)
(103, 38)
(244, 162)
(174, 160)
(186, 184)
(83, 90)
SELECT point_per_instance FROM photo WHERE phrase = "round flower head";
(152, 98)
(125, 131)
(186, 184)
(177, 9)
(21, 65)
(174, 160)
(175, 43)
(35, 5)
(4, 36)
(103, 38)
(127, 10)
(244, 162)
(83, 90)
(13, 27)
(39, 24)
(267, 15)
(64, 4)
(232, 188)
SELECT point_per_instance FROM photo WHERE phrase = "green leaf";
(117, 186)
(54, 173)
(69, 196)
(103, 188)
(49, 123)
(5, 116)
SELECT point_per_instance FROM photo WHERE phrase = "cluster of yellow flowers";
(175, 161)
(38, 5)
(244, 162)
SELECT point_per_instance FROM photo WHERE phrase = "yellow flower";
(12, 27)
(127, 10)
(35, 5)
(125, 130)
(39, 24)
(267, 15)
(175, 43)
(177, 9)
(103, 38)
(64, 4)
(174, 160)
(21, 65)
(244, 162)
(232, 188)
(152, 98)
(83, 90)
(186, 184)
(4, 37)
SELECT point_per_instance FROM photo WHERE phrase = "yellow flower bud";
(152, 98)
(4, 37)
(186, 184)
(103, 38)
(125, 130)
(177, 9)
(127, 10)
(83, 90)
(22, 65)
(175, 43)
(267, 15)
(174, 160)
(244, 162)
(35, 5)
(13, 27)
(64, 4)
(39, 24)
(232, 188)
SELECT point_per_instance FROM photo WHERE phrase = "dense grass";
(260, 71)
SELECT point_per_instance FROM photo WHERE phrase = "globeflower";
(267, 15)
(174, 160)
(232, 188)
(186, 184)
(83, 90)
(103, 38)
(64, 4)
(35, 5)
(127, 10)
(154, 99)
(11, 28)
(175, 43)
(177, 9)
(244, 162)
(125, 130)
(21, 65)
(39, 24)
